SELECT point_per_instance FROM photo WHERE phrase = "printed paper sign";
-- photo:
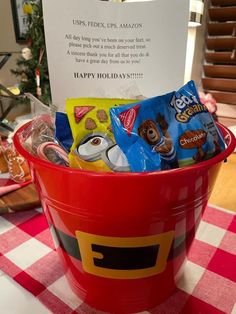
(106, 49)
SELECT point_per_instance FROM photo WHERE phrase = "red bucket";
(123, 237)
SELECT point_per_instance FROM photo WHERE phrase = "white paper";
(105, 49)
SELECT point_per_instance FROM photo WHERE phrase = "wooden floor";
(224, 193)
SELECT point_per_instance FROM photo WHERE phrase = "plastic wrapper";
(12, 164)
(3, 161)
(63, 133)
(94, 147)
(38, 139)
(166, 132)
(17, 165)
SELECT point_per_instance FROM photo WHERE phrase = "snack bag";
(166, 132)
(63, 133)
(94, 147)
(38, 139)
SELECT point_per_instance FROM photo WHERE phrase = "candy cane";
(41, 151)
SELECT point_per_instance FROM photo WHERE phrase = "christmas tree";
(32, 67)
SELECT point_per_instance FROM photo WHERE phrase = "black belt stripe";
(122, 258)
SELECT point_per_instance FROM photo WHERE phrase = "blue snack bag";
(166, 132)
(63, 132)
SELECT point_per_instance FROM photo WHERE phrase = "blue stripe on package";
(63, 131)
(166, 132)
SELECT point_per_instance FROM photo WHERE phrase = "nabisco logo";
(128, 118)
(81, 111)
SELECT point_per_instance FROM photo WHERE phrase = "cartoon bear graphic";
(160, 143)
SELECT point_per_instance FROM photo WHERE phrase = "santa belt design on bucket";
(121, 257)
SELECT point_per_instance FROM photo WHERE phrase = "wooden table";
(224, 192)
(24, 198)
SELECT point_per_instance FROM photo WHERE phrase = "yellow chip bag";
(94, 147)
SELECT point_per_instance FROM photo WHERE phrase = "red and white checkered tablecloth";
(7, 185)
(208, 285)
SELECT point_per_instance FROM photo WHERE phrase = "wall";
(195, 51)
(190, 53)
(198, 57)
(8, 43)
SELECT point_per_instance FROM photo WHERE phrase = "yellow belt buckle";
(88, 241)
